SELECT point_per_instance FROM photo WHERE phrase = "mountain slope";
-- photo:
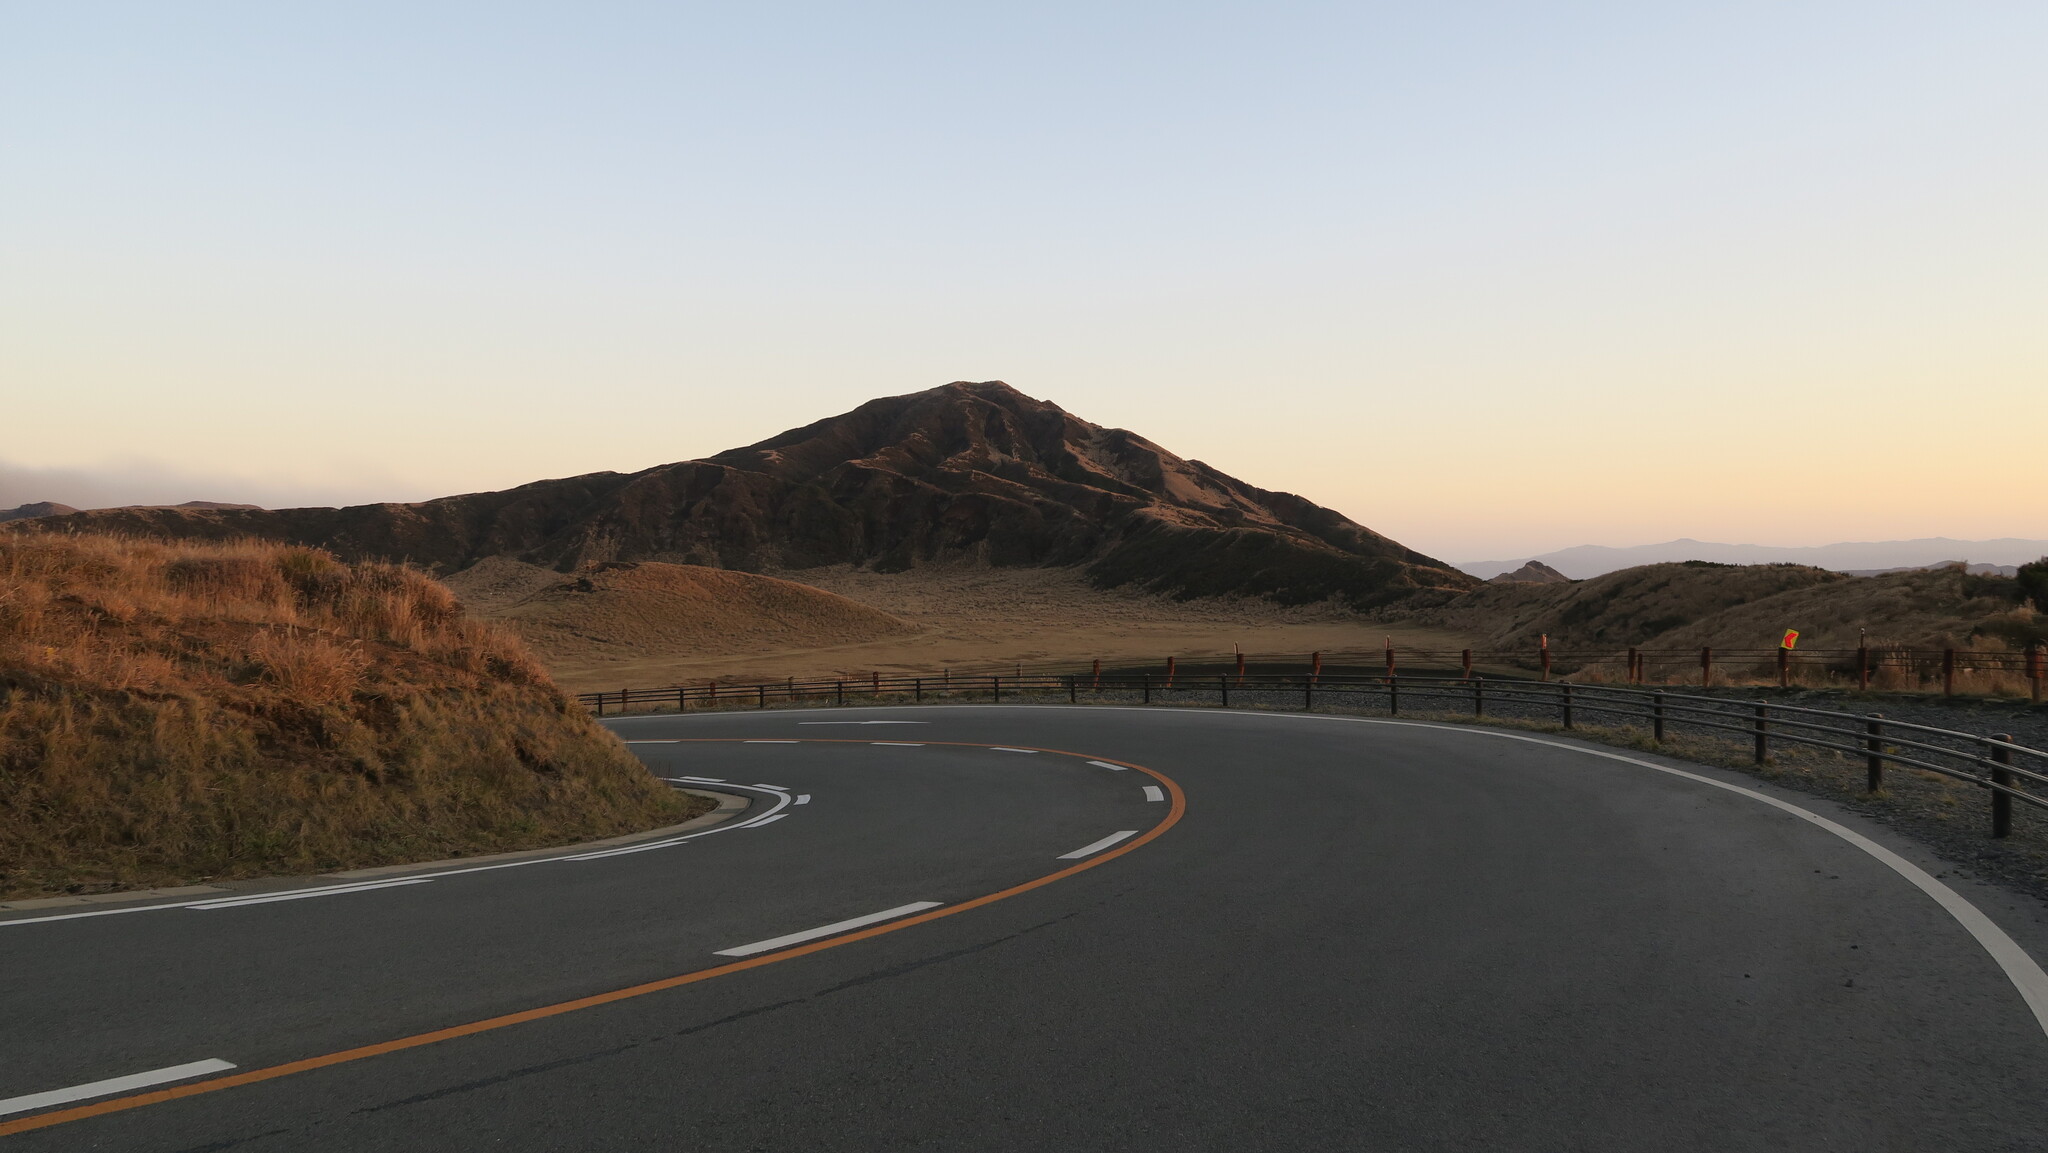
(964, 473)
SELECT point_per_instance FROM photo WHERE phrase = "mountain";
(1533, 573)
(39, 508)
(1591, 560)
(964, 473)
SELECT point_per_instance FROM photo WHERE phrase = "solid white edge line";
(827, 930)
(782, 801)
(112, 1085)
(767, 820)
(1154, 793)
(302, 894)
(1104, 843)
(1008, 749)
(900, 744)
(771, 788)
(1107, 765)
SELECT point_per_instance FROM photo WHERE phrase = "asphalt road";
(1351, 935)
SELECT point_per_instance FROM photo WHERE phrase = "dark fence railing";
(2010, 772)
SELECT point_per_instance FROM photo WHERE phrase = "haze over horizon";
(1491, 281)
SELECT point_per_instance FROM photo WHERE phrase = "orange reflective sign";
(1791, 638)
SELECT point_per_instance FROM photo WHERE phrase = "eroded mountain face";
(974, 473)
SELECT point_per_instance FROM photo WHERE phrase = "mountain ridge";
(969, 472)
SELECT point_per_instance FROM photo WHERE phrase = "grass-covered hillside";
(173, 712)
(1681, 606)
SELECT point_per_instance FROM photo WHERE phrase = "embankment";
(186, 711)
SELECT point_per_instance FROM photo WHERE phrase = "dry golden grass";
(613, 615)
(171, 712)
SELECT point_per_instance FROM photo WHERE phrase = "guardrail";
(2010, 772)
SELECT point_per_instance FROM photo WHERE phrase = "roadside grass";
(172, 712)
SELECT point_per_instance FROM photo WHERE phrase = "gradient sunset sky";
(1492, 278)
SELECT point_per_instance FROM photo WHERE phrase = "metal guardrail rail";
(2010, 772)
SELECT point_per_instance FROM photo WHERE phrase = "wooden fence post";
(1863, 668)
(1390, 658)
(1468, 664)
(1543, 655)
(1240, 668)
(1315, 666)
(1706, 667)
(1784, 668)
(1097, 685)
(1170, 664)
(1948, 672)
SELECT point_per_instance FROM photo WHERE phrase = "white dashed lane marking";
(827, 930)
(1104, 843)
(112, 1085)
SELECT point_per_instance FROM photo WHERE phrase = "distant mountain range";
(967, 473)
(44, 508)
(1863, 557)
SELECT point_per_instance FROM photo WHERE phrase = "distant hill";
(1533, 573)
(39, 508)
(965, 473)
(1684, 606)
(43, 508)
(1587, 561)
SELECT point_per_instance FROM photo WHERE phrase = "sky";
(1492, 278)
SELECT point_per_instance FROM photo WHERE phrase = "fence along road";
(1358, 934)
(2009, 772)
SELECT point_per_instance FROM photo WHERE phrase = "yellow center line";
(307, 1064)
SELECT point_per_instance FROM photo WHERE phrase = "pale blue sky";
(1493, 278)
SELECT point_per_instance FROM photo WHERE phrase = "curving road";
(1167, 929)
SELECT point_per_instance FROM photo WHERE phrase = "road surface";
(1033, 928)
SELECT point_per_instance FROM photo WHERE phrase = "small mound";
(174, 712)
(627, 610)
